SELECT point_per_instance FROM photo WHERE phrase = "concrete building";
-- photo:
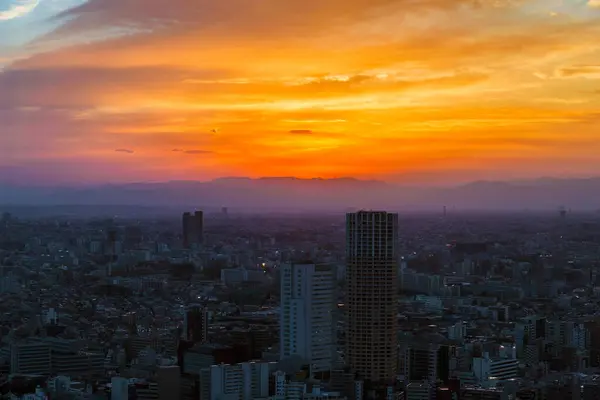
(372, 284)
(31, 358)
(486, 367)
(419, 391)
(245, 381)
(306, 316)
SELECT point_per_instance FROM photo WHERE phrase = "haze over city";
(410, 92)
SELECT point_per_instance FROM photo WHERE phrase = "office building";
(306, 316)
(419, 391)
(372, 285)
(30, 357)
(193, 229)
(426, 362)
(502, 368)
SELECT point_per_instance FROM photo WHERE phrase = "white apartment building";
(306, 316)
(244, 381)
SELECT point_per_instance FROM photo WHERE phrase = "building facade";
(372, 293)
(306, 316)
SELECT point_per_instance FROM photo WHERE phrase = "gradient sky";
(402, 90)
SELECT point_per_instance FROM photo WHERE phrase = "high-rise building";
(193, 229)
(195, 324)
(306, 315)
(372, 292)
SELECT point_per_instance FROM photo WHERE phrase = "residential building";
(372, 285)
(306, 315)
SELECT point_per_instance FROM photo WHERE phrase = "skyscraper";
(193, 229)
(306, 319)
(372, 292)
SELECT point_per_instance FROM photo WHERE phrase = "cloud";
(301, 131)
(39, 86)
(128, 151)
(576, 71)
(17, 9)
(419, 71)
(239, 16)
(197, 151)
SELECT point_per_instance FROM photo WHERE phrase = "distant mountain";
(289, 193)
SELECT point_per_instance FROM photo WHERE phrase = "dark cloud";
(128, 151)
(177, 150)
(301, 131)
(198, 152)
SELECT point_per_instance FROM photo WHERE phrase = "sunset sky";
(418, 91)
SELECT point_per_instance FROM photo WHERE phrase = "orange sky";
(413, 91)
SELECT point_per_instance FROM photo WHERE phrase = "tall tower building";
(306, 316)
(193, 228)
(372, 293)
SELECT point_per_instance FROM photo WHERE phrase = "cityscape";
(299, 200)
(363, 305)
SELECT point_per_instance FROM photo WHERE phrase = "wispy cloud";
(301, 131)
(197, 151)
(579, 71)
(127, 151)
(17, 8)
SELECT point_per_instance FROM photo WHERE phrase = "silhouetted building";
(372, 271)
(193, 229)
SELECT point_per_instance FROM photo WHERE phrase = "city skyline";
(112, 91)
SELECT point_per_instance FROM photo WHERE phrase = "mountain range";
(289, 193)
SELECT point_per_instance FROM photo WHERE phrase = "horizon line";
(293, 178)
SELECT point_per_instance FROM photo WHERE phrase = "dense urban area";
(358, 305)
